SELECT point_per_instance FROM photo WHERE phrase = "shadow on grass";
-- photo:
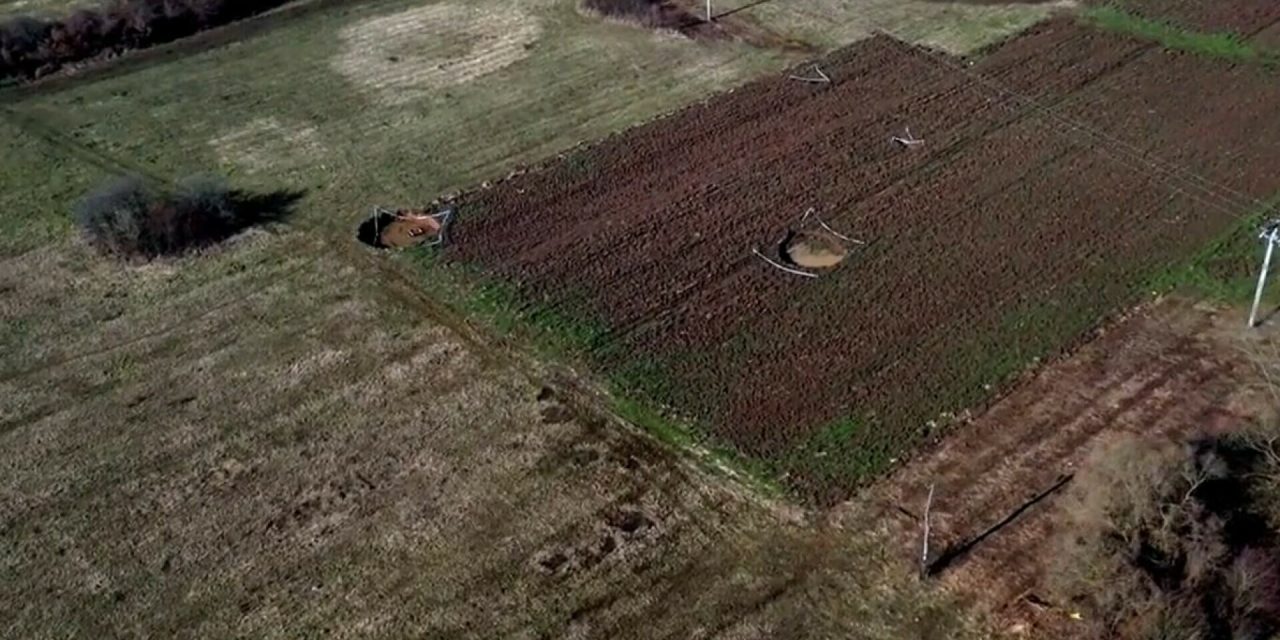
(252, 209)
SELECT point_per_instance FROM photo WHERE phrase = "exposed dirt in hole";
(813, 250)
(399, 230)
(1172, 369)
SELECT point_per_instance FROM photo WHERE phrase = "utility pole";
(924, 543)
(709, 11)
(1271, 235)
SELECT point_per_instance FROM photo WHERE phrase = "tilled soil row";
(1056, 175)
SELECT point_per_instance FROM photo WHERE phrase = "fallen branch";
(778, 265)
(812, 212)
(821, 79)
(908, 140)
(924, 545)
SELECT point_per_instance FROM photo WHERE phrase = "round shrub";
(126, 217)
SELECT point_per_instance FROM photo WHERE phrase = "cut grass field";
(289, 435)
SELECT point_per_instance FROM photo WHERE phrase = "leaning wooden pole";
(924, 543)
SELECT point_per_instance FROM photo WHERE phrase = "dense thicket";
(1166, 540)
(33, 47)
(649, 13)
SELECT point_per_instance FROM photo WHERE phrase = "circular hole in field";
(385, 230)
(813, 250)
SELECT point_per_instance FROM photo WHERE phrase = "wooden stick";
(783, 267)
(924, 546)
(821, 79)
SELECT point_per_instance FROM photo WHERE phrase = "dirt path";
(1171, 369)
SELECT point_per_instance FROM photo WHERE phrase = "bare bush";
(644, 12)
(30, 48)
(653, 14)
(127, 218)
(1171, 540)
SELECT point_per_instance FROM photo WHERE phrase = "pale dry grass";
(271, 439)
(325, 456)
(405, 56)
(268, 144)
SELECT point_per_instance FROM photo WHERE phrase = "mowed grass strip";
(1227, 46)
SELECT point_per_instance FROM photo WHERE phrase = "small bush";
(655, 14)
(127, 218)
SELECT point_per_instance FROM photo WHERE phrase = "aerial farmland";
(811, 319)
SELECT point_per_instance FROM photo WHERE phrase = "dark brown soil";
(1056, 175)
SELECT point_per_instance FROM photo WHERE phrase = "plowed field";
(1056, 176)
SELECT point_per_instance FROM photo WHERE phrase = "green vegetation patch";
(1220, 45)
(1226, 269)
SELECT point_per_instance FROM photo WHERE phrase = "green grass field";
(338, 119)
